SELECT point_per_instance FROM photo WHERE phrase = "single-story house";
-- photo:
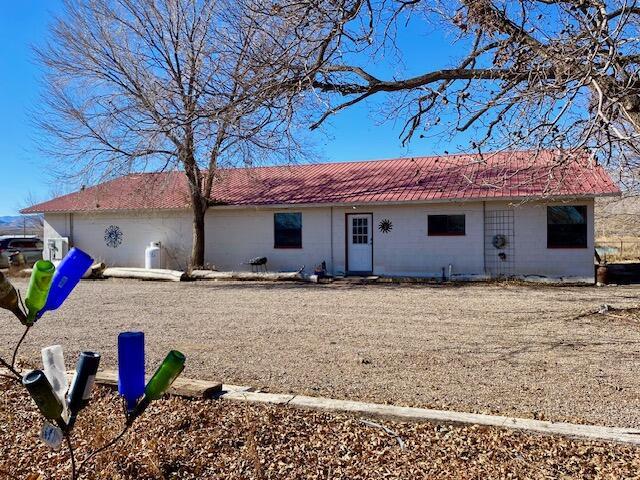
(506, 214)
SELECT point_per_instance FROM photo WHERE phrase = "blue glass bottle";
(66, 277)
(131, 367)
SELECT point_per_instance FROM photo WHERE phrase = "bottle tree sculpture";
(59, 403)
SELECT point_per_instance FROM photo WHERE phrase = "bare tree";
(532, 73)
(156, 85)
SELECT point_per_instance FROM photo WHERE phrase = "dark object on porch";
(258, 263)
(623, 273)
(321, 270)
(602, 275)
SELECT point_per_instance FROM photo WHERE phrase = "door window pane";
(360, 231)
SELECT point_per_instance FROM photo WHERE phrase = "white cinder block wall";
(87, 230)
(235, 235)
(407, 250)
(531, 252)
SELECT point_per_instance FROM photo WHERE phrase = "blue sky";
(353, 134)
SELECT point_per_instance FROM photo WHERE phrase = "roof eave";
(418, 202)
(30, 211)
(106, 210)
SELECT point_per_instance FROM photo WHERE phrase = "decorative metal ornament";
(113, 236)
(385, 225)
(499, 241)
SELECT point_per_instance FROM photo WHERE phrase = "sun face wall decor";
(385, 225)
(113, 236)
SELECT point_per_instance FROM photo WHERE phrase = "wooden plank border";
(183, 387)
(411, 414)
(204, 389)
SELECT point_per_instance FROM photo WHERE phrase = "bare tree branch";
(154, 85)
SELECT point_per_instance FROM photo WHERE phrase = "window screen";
(288, 230)
(567, 227)
(446, 225)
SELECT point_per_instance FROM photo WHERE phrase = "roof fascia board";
(520, 199)
(112, 210)
(555, 198)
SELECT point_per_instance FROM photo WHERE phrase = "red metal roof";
(454, 177)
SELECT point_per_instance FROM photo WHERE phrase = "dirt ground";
(208, 439)
(510, 349)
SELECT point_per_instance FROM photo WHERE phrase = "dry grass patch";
(196, 439)
(619, 249)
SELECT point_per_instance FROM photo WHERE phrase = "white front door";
(359, 243)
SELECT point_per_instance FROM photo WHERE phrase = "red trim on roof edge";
(506, 175)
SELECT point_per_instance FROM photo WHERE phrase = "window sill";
(446, 235)
(288, 248)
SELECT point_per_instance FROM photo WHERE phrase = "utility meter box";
(56, 248)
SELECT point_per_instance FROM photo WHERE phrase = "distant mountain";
(15, 224)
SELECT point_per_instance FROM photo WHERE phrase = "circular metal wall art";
(499, 241)
(385, 225)
(113, 236)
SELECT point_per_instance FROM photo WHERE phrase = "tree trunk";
(197, 248)
(199, 201)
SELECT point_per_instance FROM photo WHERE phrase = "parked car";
(29, 247)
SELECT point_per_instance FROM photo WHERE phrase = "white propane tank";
(152, 255)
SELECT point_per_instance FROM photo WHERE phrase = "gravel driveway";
(509, 349)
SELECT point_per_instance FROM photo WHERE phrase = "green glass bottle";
(38, 289)
(9, 298)
(42, 393)
(171, 367)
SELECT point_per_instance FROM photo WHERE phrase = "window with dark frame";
(446, 225)
(287, 230)
(567, 226)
